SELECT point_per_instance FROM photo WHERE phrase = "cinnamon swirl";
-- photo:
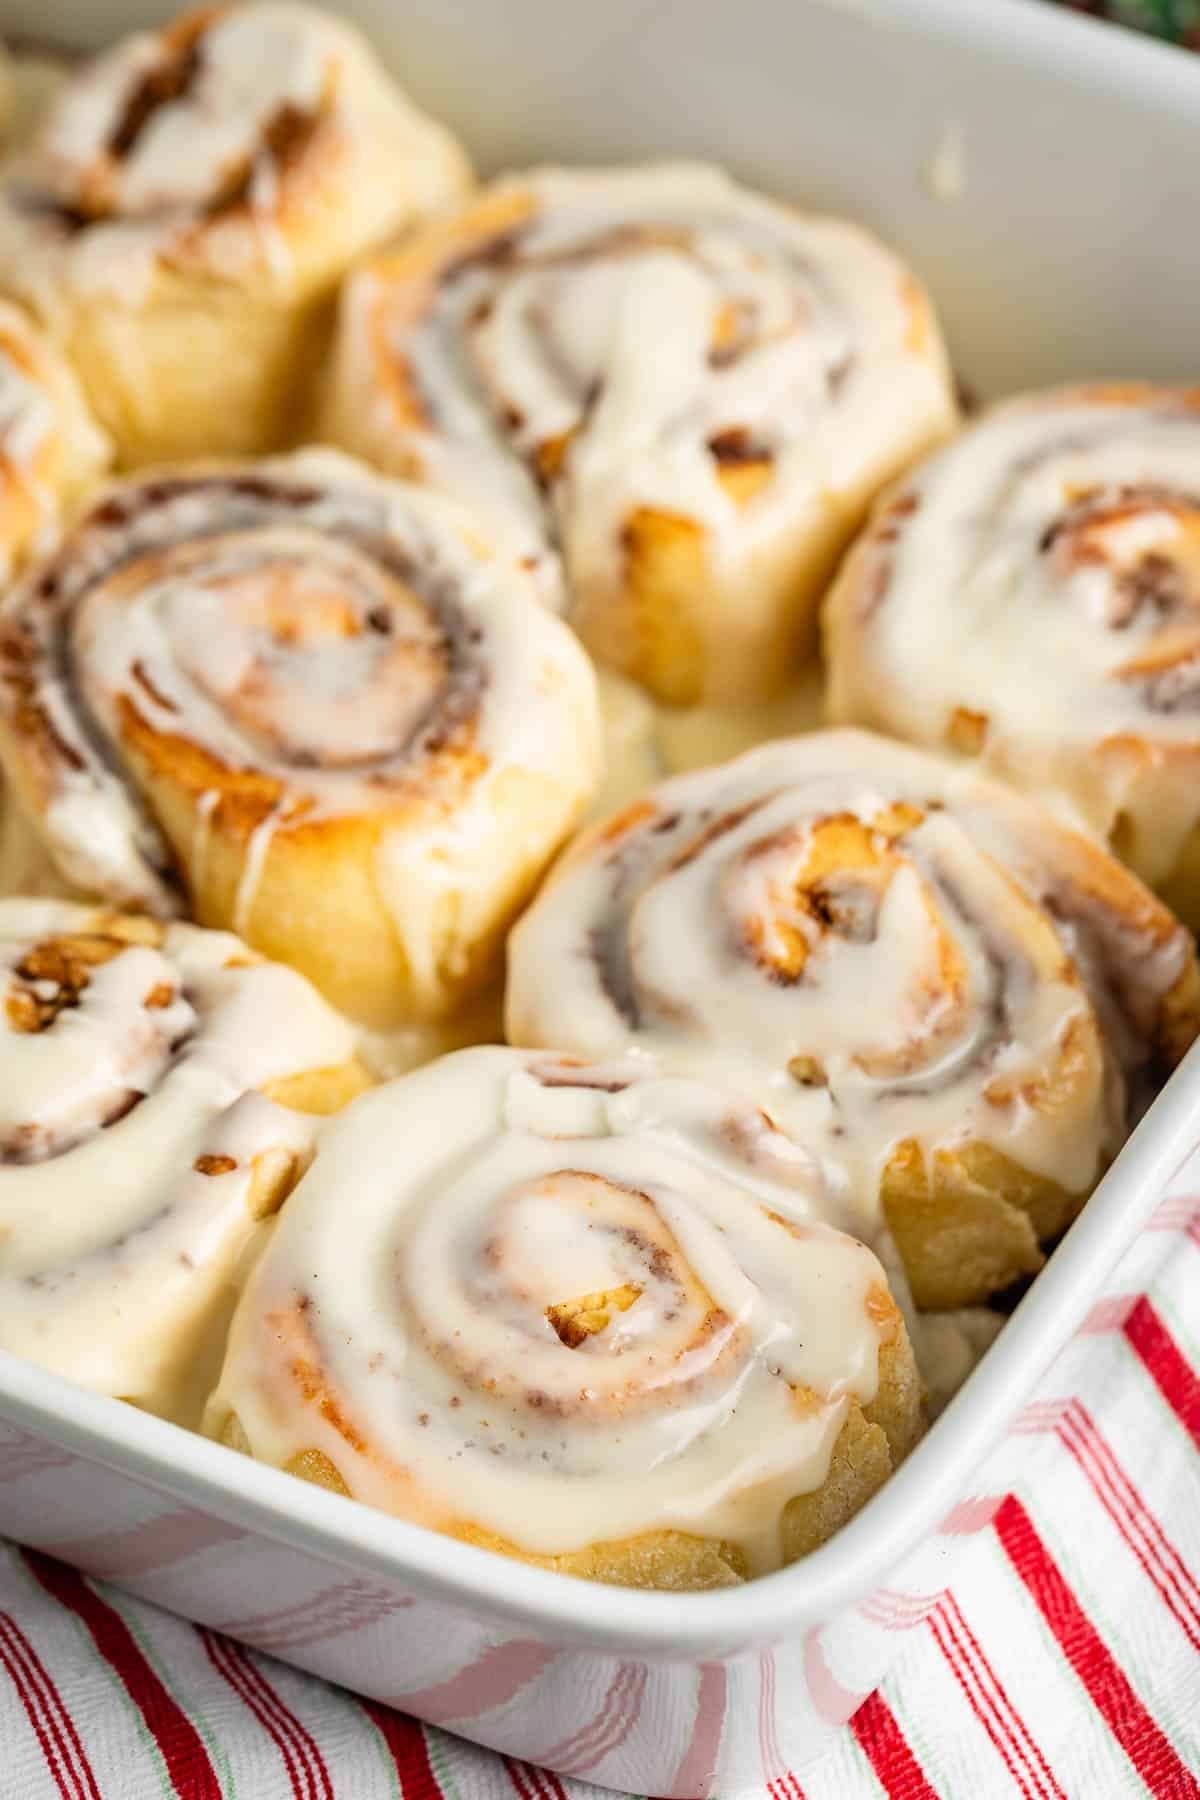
(1031, 598)
(675, 396)
(188, 204)
(305, 702)
(963, 1002)
(149, 1074)
(617, 1336)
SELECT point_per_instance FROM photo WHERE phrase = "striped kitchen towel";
(1063, 1662)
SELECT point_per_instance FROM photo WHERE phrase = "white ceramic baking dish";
(1039, 170)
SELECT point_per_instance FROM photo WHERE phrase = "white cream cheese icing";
(190, 147)
(641, 328)
(311, 622)
(1032, 595)
(875, 944)
(414, 1317)
(131, 1129)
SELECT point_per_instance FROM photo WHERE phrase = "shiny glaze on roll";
(295, 656)
(673, 395)
(1031, 598)
(136, 1141)
(547, 1304)
(881, 947)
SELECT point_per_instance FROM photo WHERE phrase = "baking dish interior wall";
(1037, 169)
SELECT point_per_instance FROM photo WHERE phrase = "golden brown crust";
(650, 636)
(970, 1225)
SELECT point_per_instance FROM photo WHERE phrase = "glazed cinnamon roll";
(297, 699)
(618, 1335)
(188, 204)
(674, 395)
(1031, 598)
(961, 1001)
(51, 451)
(149, 1077)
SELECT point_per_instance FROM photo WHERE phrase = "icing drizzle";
(1067, 521)
(875, 945)
(205, 145)
(508, 1280)
(131, 1130)
(582, 347)
(327, 644)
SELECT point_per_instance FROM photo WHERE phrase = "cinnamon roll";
(300, 700)
(188, 204)
(675, 396)
(958, 999)
(150, 1074)
(1031, 598)
(51, 451)
(618, 1335)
